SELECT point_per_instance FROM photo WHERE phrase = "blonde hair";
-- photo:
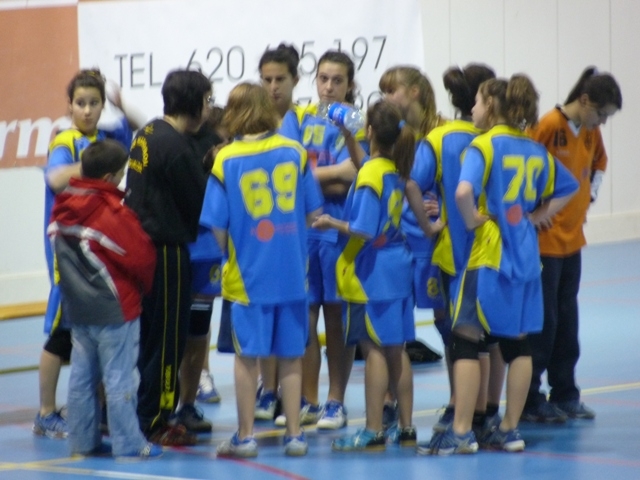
(249, 110)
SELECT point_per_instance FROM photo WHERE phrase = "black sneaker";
(193, 419)
(575, 409)
(545, 412)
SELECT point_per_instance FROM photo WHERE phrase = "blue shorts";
(270, 330)
(426, 284)
(498, 305)
(384, 323)
(323, 257)
(205, 277)
(511, 308)
(225, 336)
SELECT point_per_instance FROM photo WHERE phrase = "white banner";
(136, 43)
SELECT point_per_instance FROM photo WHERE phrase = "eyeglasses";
(602, 114)
(211, 101)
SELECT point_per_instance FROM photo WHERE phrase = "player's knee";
(463, 349)
(512, 348)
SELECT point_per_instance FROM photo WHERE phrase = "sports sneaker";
(295, 446)
(266, 406)
(445, 420)
(362, 440)
(148, 452)
(484, 432)
(510, 441)
(575, 409)
(426, 448)
(545, 412)
(52, 425)
(449, 443)
(172, 436)
(207, 391)
(404, 437)
(193, 419)
(308, 414)
(389, 415)
(333, 416)
(246, 448)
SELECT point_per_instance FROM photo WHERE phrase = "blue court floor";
(605, 448)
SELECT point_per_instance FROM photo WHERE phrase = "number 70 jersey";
(260, 191)
(511, 174)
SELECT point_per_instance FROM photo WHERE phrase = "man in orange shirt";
(571, 133)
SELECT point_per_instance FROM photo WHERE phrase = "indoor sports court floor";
(609, 374)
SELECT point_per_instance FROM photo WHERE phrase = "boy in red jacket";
(105, 261)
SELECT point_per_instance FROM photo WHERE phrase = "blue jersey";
(325, 146)
(379, 268)
(454, 242)
(205, 247)
(510, 175)
(423, 173)
(260, 192)
(65, 149)
(290, 125)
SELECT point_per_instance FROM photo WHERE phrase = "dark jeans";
(556, 349)
(164, 324)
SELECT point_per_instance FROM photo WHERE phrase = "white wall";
(550, 40)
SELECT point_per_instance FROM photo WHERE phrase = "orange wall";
(39, 55)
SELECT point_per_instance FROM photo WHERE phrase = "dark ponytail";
(463, 85)
(395, 138)
(601, 88)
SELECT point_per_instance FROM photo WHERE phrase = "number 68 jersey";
(260, 191)
(511, 174)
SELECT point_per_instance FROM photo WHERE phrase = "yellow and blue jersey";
(447, 143)
(65, 149)
(510, 175)
(423, 173)
(325, 145)
(260, 191)
(378, 268)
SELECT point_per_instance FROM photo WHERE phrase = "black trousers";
(164, 324)
(556, 349)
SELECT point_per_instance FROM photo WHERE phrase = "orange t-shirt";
(581, 154)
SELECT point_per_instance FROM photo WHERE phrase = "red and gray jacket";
(104, 260)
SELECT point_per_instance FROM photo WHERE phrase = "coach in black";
(166, 191)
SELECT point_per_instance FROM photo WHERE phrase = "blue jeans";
(108, 354)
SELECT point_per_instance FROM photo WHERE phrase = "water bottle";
(342, 115)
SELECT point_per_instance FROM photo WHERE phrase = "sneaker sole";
(209, 400)
(263, 415)
(544, 420)
(48, 433)
(514, 447)
(298, 452)
(327, 425)
(408, 443)
(451, 451)
(581, 417)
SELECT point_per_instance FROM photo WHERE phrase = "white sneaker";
(308, 414)
(207, 391)
(266, 406)
(333, 417)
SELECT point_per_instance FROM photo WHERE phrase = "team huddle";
(478, 218)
